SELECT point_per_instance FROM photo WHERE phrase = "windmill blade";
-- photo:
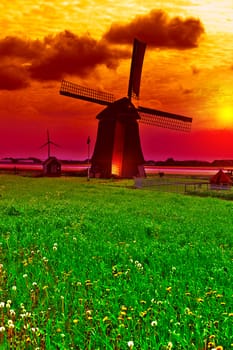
(45, 144)
(55, 144)
(139, 48)
(84, 93)
(164, 119)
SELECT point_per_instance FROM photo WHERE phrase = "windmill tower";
(117, 149)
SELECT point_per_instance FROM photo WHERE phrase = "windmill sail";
(164, 119)
(136, 69)
(84, 93)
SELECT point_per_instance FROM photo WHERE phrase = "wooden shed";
(52, 167)
(220, 180)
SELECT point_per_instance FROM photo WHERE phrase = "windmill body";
(117, 149)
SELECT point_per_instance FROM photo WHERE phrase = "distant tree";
(170, 161)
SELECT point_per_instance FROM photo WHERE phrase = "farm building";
(220, 180)
(52, 167)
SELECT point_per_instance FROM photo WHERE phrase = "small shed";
(220, 181)
(52, 167)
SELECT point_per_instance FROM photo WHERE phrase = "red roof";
(220, 178)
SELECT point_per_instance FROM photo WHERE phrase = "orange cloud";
(157, 29)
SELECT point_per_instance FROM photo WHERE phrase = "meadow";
(100, 265)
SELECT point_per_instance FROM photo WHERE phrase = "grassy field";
(100, 265)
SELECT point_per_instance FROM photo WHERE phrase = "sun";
(226, 116)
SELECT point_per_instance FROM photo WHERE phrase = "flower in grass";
(200, 300)
(10, 324)
(168, 289)
(14, 288)
(2, 304)
(143, 313)
(130, 344)
(154, 323)
(211, 345)
(219, 296)
(35, 330)
(25, 275)
(8, 304)
(12, 312)
(2, 329)
(123, 308)
(169, 345)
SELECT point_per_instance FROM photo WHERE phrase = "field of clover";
(99, 265)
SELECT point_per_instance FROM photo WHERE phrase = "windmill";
(117, 149)
(49, 143)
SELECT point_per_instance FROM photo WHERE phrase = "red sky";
(188, 69)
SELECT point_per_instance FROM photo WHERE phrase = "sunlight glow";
(226, 116)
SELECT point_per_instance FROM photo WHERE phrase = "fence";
(171, 186)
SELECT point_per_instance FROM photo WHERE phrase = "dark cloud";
(158, 30)
(12, 47)
(53, 58)
(13, 77)
(67, 53)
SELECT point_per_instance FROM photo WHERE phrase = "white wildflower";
(12, 312)
(34, 329)
(10, 324)
(130, 344)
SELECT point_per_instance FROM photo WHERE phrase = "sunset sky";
(188, 69)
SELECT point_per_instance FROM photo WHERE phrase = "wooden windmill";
(117, 149)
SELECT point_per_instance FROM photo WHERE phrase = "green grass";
(94, 265)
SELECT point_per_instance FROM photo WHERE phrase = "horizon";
(187, 70)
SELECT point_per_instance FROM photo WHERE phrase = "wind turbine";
(49, 143)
